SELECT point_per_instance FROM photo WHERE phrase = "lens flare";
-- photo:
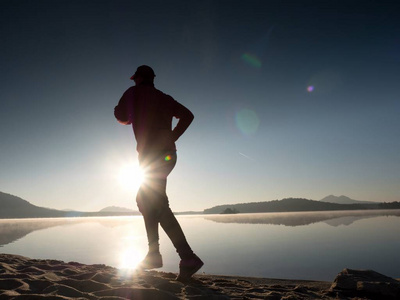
(168, 157)
(252, 60)
(247, 121)
(324, 82)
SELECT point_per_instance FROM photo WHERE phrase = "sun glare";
(130, 258)
(130, 176)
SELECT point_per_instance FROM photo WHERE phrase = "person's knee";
(142, 201)
(139, 204)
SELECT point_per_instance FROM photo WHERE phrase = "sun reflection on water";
(130, 258)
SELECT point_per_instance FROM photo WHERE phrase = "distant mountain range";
(15, 207)
(300, 204)
(344, 200)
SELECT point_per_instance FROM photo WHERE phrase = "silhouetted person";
(150, 112)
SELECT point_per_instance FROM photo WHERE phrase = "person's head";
(144, 75)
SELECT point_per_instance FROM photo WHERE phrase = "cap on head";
(145, 72)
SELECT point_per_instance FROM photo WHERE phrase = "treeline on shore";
(295, 204)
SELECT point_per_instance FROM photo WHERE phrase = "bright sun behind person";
(131, 176)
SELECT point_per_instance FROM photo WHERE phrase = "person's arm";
(185, 117)
(121, 111)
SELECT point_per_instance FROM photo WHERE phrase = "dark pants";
(153, 202)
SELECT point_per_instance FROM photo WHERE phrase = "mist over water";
(306, 245)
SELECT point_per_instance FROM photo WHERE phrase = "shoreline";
(25, 278)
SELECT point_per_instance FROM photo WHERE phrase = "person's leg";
(190, 263)
(154, 205)
(144, 201)
(171, 226)
(152, 198)
(150, 203)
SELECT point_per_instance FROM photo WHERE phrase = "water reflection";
(12, 230)
(314, 245)
(115, 241)
(332, 218)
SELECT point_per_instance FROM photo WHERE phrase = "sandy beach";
(25, 278)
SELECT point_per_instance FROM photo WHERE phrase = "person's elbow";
(190, 117)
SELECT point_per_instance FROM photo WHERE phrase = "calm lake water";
(310, 245)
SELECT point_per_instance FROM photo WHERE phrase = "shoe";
(151, 261)
(189, 266)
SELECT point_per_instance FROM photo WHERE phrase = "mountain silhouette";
(295, 204)
(13, 207)
(344, 200)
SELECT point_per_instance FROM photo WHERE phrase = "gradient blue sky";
(291, 99)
